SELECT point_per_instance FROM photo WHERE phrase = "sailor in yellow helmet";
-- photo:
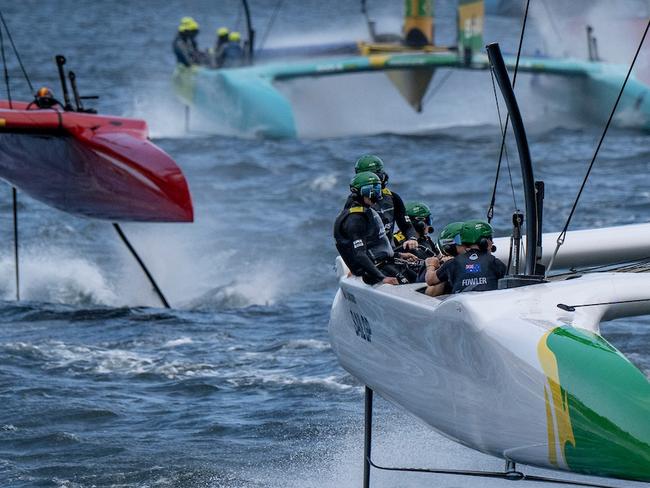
(222, 36)
(184, 45)
(184, 23)
(231, 54)
(215, 52)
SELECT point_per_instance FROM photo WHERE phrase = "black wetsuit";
(392, 211)
(215, 54)
(362, 243)
(426, 249)
(475, 270)
(186, 50)
(182, 47)
(231, 55)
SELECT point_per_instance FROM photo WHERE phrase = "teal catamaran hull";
(246, 100)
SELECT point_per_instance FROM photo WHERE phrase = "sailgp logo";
(361, 326)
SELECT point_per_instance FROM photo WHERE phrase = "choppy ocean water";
(237, 385)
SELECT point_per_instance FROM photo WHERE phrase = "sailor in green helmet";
(361, 237)
(391, 206)
(448, 243)
(476, 269)
(420, 217)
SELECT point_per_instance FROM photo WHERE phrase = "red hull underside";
(91, 165)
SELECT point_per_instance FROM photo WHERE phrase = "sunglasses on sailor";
(370, 191)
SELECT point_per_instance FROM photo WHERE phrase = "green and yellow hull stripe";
(597, 406)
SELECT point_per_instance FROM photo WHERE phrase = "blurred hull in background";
(248, 101)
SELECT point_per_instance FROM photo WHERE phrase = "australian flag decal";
(473, 268)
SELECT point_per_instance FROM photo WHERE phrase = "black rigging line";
(562, 236)
(239, 15)
(269, 26)
(619, 266)
(490, 212)
(6, 70)
(20, 61)
(13, 189)
(435, 89)
(553, 23)
(504, 148)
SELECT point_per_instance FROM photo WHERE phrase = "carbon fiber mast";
(250, 31)
(533, 211)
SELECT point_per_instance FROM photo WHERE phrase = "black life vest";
(386, 210)
(475, 270)
(232, 55)
(426, 247)
(374, 240)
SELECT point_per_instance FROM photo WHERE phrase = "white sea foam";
(246, 376)
(308, 344)
(95, 360)
(57, 276)
(179, 342)
(155, 103)
(194, 273)
(398, 440)
(325, 182)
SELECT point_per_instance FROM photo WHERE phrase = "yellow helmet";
(185, 23)
(222, 31)
(234, 36)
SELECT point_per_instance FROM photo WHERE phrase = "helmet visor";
(373, 192)
(447, 247)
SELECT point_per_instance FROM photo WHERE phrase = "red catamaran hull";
(96, 166)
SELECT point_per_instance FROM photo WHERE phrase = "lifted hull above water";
(96, 166)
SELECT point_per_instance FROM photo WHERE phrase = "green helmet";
(449, 237)
(417, 210)
(420, 216)
(370, 162)
(366, 184)
(475, 230)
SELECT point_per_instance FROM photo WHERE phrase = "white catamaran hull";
(508, 372)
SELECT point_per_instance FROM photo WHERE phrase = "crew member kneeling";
(474, 270)
(361, 236)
